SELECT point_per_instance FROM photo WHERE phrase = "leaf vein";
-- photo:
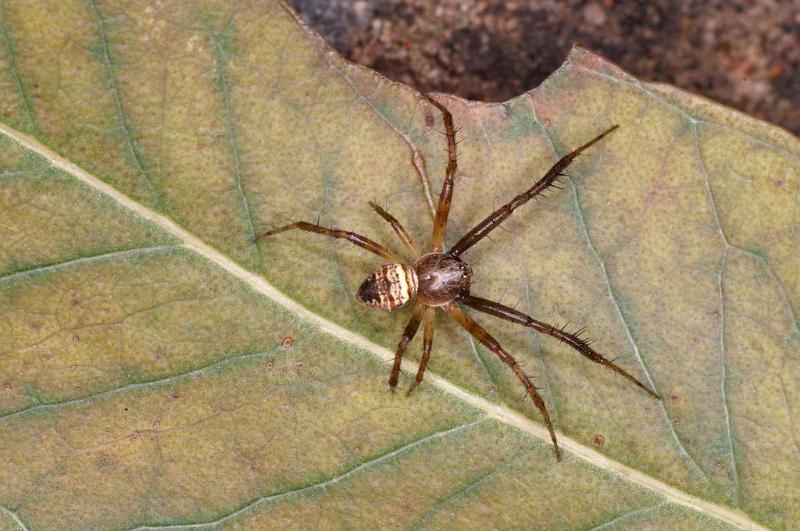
(14, 516)
(83, 260)
(13, 71)
(147, 383)
(628, 515)
(539, 348)
(661, 100)
(217, 42)
(424, 521)
(482, 364)
(416, 157)
(321, 485)
(732, 465)
(127, 133)
(583, 226)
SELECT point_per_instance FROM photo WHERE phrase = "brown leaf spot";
(287, 342)
(428, 118)
(650, 198)
(598, 440)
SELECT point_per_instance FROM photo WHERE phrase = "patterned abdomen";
(389, 288)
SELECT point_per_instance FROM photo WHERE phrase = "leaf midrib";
(262, 286)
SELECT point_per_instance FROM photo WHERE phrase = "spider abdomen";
(389, 288)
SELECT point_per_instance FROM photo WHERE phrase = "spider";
(441, 279)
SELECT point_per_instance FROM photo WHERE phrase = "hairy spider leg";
(491, 343)
(408, 335)
(401, 232)
(509, 314)
(498, 216)
(427, 343)
(446, 197)
(352, 237)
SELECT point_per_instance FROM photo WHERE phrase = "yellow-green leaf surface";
(146, 375)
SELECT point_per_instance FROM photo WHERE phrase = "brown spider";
(440, 279)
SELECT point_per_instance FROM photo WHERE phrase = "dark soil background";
(742, 53)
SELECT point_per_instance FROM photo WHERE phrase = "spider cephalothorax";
(441, 279)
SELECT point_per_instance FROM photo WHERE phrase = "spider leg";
(446, 197)
(352, 237)
(408, 335)
(491, 343)
(498, 216)
(401, 232)
(427, 342)
(573, 340)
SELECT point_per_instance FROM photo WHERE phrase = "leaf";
(159, 369)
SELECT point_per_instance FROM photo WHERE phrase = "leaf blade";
(352, 119)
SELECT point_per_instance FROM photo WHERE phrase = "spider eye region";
(442, 278)
(391, 287)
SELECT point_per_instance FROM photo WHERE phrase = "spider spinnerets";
(441, 279)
